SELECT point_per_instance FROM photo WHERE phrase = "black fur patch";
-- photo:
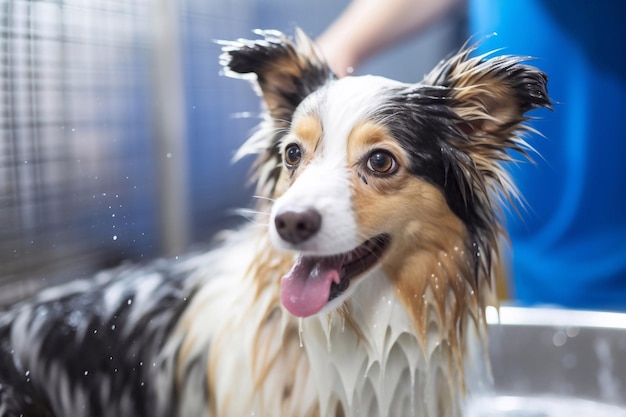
(103, 336)
(286, 73)
(422, 121)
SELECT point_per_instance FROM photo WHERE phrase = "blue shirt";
(569, 247)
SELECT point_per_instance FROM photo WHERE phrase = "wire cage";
(74, 117)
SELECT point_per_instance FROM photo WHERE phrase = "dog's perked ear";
(491, 96)
(286, 71)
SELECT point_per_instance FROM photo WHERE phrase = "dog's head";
(369, 172)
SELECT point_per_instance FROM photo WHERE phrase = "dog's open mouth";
(313, 281)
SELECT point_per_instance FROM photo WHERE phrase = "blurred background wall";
(117, 130)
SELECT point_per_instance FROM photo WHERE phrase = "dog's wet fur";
(374, 261)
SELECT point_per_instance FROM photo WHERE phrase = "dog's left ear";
(286, 71)
(491, 97)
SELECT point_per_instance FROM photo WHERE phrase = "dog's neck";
(369, 357)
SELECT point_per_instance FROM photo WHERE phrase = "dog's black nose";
(297, 226)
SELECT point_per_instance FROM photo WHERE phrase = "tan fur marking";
(367, 136)
(309, 130)
(267, 267)
(428, 261)
(281, 73)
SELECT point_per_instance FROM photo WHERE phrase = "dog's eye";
(381, 162)
(293, 155)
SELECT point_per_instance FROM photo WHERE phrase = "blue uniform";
(569, 246)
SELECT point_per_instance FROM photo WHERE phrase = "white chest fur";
(372, 364)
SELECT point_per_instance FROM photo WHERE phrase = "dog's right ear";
(286, 71)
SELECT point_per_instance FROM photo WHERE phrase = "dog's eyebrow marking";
(369, 135)
(309, 130)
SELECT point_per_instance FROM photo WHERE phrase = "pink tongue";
(305, 289)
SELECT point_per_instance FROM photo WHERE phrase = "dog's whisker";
(251, 212)
(263, 197)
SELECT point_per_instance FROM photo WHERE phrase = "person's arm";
(368, 26)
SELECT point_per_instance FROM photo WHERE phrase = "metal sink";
(550, 362)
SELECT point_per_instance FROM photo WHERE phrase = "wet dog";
(356, 296)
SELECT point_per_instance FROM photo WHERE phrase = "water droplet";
(559, 338)
(86, 373)
(572, 331)
(113, 327)
(27, 373)
(130, 301)
(114, 237)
